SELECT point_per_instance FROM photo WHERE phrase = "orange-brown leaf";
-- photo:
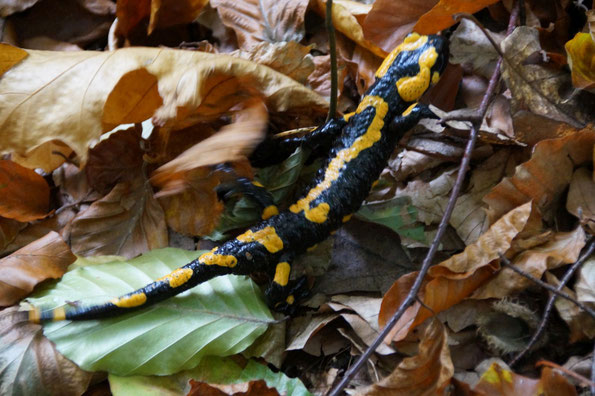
(252, 388)
(427, 373)
(580, 195)
(46, 258)
(24, 195)
(48, 156)
(535, 180)
(581, 58)
(440, 17)
(127, 222)
(389, 21)
(166, 13)
(10, 57)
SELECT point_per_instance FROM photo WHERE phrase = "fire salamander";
(360, 145)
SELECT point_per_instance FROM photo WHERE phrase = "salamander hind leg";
(282, 295)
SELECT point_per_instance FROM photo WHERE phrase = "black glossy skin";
(344, 196)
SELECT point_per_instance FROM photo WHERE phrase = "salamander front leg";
(282, 295)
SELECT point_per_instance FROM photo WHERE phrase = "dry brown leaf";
(46, 258)
(116, 159)
(389, 21)
(534, 180)
(69, 100)
(451, 281)
(580, 194)
(10, 57)
(126, 222)
(233, 142)
(289, 58)
(345, 22)
(497, 381)
(24, 194)
(536, 87)
(9, 7)
(31, 363)
(585, 285)
(469, 46)
(440, 16)
(48, 156)
(580, 323)
(427, 373)
(8, 231)
(255, 21)
(65, 21)
(192, 208)
(252, 388)
(303, 328)
(563, 248)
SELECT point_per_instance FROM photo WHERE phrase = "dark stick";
(550, 304)
(506, 263)
(411, 296)
(330, 29)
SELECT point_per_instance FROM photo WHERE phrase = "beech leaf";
(24, 195)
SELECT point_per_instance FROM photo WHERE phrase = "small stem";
(330, 29)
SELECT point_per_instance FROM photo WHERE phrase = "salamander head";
(415, 64)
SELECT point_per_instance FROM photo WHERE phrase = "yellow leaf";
(581, 58)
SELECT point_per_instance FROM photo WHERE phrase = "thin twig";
(506, 263)
(412, 295)
(330, 29)
(550, 303)
(593, 371)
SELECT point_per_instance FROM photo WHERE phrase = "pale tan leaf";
(127, 222)
(73, 97)
(585, 285)
(46, 258)
(255, 21)
(563, 248)
(427, 373)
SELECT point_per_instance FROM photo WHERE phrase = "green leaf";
(398, 214)
(212, 370)
(220, 317)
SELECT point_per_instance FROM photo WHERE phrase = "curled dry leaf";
(454, 279)
(46, 258)
(427, 373)
(48, 156)
(31, 363)
(440, 16)
(563, 248)
(388, 22)
(255, 21)
(581, 58)
(534, 180)
(345, 22)
(73, 99)
(161, 13)
(24, 195)
(580, 197)
(128, 221)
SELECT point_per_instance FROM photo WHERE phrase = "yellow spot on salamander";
(435, 77)
(311, 248)
(346, 218)
(375, 183)
(58, 314)
(282, 273)
(257, 184)
(178, 277)
(409, 109)
(269, 212)
(222, 260)
(347, 116)
(411, 43)
(290, 299)
(412, 88)
(319, 214)
(35, 315)
(267, 237)
(131, 301)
